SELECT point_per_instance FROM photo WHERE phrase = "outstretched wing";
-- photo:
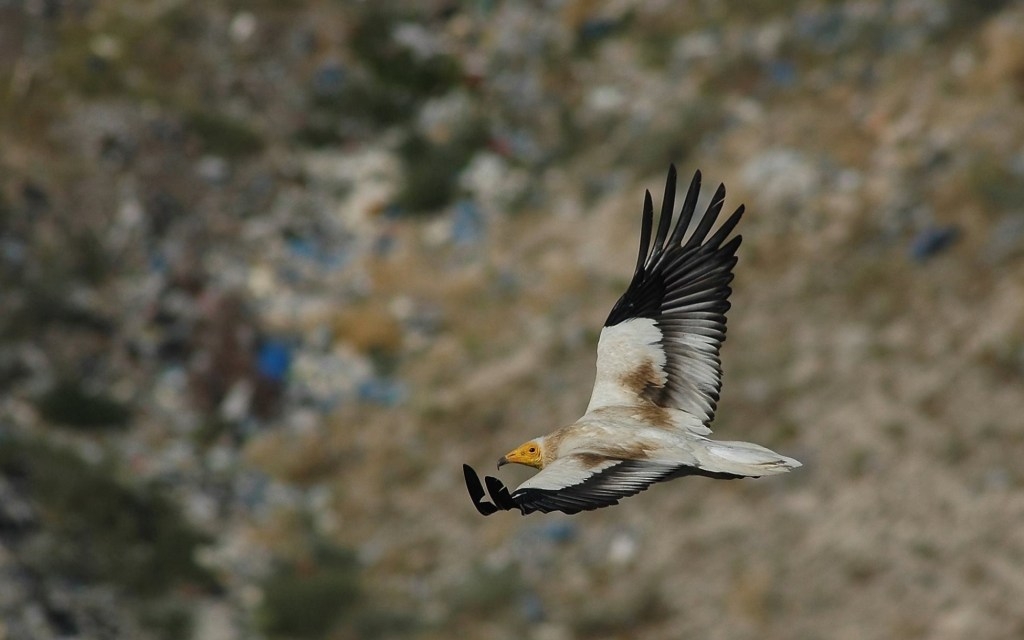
(575, 483)
(661, 342)
(584, 482)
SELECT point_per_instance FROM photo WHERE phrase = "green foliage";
(318, 134)
(211, 430)
(307, 599)
(431, 169)
(786, 431)
(488, 590)
(86, 73)
(91, 260)
(395, 65)
(223, 135)
(368, 101)
(994, 184)
(68, 403)
(108, 53)
(6, 211)
(43, 305)
(100, 530)
(967, 13)
(167, 621)
(376, 623)
(393, 83)
(620, 618)
(860, 461)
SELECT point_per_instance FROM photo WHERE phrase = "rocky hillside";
(271, 272)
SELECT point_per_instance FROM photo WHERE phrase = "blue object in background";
(329, 80)
(303, 248)
(558, 532)
(382, 391)
(468, 223)
(827, 28)
(532, 607)
(158, 262)
(782, 73)
(274, 360)
(932, 241)
(314, 251)
(597, 29)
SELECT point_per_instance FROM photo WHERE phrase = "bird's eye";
(533, 449)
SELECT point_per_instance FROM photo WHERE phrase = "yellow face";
(529, 454)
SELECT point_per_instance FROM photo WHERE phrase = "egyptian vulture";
(658, 379)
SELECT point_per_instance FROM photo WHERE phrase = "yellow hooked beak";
(528, 454)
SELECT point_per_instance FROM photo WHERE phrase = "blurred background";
(270, 272)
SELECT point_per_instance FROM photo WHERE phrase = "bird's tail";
(743, 459)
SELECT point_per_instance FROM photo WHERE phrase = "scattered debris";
(269, 275)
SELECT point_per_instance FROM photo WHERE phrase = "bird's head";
(531, 454)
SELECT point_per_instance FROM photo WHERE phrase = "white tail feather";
(743, 459)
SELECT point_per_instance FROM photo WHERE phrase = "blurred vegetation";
(212, 429)
(68, 403)
(167, 620)
(121, 52)
(104, 202)
(390, 85)
(395, 65)
(39, 307)
(101, 530)
(488, 589)
(308, 597)
(223, 135)
(967, 13)
(620, 618)
(432, 168)
(994, 184)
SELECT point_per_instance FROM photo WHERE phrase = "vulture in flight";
(658, 379)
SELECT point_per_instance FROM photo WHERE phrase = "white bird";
(658, 380)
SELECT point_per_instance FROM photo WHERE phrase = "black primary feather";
(476, 492)
(684, 288)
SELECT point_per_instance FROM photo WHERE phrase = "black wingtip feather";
(499, 493)
(645, 233)
(727, 227)
(686, 213)
(667, 204)
(730, 248)
(476, 492)
(710, 216)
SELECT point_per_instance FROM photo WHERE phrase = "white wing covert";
(660, 344)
